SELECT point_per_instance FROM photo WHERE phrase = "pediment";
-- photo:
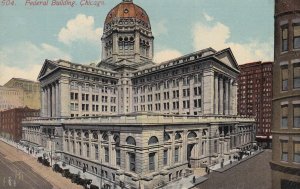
(47, 68)
(226, 56)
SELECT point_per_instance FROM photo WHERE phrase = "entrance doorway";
(190, 148)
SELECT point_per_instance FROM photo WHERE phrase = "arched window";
(72, 133)
(192, 134)
(177, 136)
(166, 137)
(130, 140)
(203, 132)
(117, 140)
(79, 134)
(216, 146)
(105, 136)
(152, 140)
(95, 135)
(86, 134)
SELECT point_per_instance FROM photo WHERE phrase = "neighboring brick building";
(255, 97)
(10, 122)
(285, 162)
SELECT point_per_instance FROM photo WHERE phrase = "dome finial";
(127, 0)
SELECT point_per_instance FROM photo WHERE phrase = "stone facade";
(146, 150)
(135, 122)
(10, 98)
(31, 91)
(285, 162)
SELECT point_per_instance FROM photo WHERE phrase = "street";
(253, 173)
(22, 171)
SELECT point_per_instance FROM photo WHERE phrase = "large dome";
(127, 9)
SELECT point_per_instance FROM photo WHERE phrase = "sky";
(30, 34)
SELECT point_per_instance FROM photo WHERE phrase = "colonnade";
(51, 100)
(225, 95)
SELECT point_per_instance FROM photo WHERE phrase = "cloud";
(217, 36)
(166, 54)
(82, 28)
(207, 17)
(160, 28)
(25, 59)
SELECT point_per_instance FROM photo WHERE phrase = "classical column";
(48, 101)
(57, 99)
(180, 109)
(221, 96)
(226, 97)
(233, 95)
(53, 101)
(191, 97)
(208, 92)
(44, 102)
(216, 102)
(64, 96)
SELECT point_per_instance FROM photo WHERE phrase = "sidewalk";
(227, 165)
(46, 172)
(185, 183)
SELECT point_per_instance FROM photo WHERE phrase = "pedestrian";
(194, 179)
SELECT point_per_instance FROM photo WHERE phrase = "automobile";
(46, 162)
(40, 159)
(57, 168)
(65, 173)
(94, 187)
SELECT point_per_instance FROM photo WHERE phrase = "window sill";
(284, 162)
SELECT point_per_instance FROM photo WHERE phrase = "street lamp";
(50, 150)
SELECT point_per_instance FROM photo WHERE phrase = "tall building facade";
(31, 91)
(142, 124)
(10, 98)
(10, 122)
(20, 93)
(285, 162)
(255, 97)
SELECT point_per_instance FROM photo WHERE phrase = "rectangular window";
(284, 39)
(176, 157)
(152, 161)
(284, 117)
(132, 162)
(106, 154)
(118, 157)
(296, 80)
(297, 116)
(87, 150)
(96, 152)
(296, 36)
(284, 78)
(284, 150)
(288, 184)
(297, 152)
(165, 157)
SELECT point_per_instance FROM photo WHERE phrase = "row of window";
(95, 98)
(285, 151)
(285, 115)
(285, 37)
(95, 108)
(285, 77)
(86, 87)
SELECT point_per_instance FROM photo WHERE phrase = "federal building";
(142, 123)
